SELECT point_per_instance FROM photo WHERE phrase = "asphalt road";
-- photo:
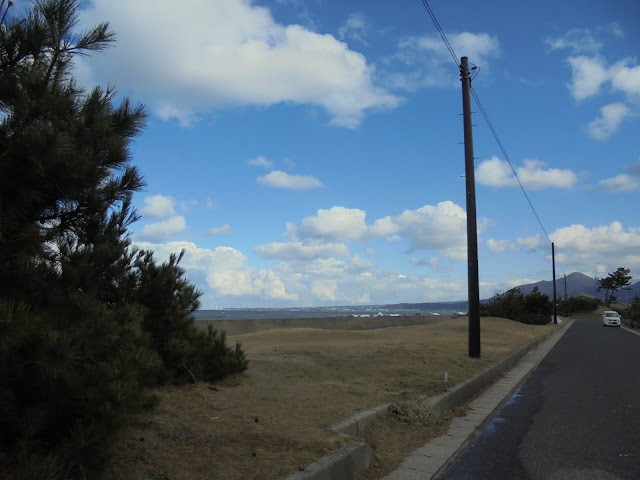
(576, 416)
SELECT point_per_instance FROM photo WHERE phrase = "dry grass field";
(266, 422)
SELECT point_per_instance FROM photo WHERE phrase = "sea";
(325, 312)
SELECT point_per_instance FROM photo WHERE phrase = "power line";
(441, 32)
(506, 156)
(485, 115)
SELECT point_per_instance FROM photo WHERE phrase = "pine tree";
(86, 321)
(614, 282)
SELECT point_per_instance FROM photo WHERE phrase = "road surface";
(577, 416)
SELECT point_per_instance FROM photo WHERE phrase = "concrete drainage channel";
(355, 456)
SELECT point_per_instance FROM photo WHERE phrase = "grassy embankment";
(266, 422)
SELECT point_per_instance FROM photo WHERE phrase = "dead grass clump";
(414, 412)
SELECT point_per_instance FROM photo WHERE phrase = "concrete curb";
(358, 423)
(467, 389)
(345, 464)
(354, 457)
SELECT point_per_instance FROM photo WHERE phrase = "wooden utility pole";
(472, 231)
(565, 287)
(555, 303)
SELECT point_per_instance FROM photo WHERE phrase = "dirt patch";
(273, 418)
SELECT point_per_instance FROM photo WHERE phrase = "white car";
(610, 318)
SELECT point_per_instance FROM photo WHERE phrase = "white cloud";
(164, 230)
(441, 228)
(229, 52)
(426, 60)
(337, 223)
(260, 161)
(611, 116)
(497, 173)
(278, 179)
(301, 251)
(223, 230)
(528, 243)
(225, 277)
(500, 246)
(158, 207)
(588, 75)
(355, 27)
(626, 78)
(580, 247)
(521, 243)
(222, 272)
(578, 40)
(620, 183)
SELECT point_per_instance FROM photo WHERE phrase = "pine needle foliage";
(87, 322)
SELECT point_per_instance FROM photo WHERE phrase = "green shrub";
(534, 308)
(631, 316)
(571, 305)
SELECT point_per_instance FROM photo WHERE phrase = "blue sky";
(308, 153)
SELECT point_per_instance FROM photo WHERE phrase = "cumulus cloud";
(440, 227)
(301, 250)
(611, 116)
(620, 183)
(336, 223)
(590, 72)
(158, 207)
(581, 247)
(497, 173)
(163, 230)
(425, 59)
(229, 52)
(260, 161)
(278, 179)
(225, 277)
(222, 272)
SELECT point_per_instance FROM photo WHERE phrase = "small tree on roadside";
(614, 282)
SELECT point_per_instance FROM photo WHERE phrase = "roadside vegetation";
(631, 316)
(532, 309)
(88, 323)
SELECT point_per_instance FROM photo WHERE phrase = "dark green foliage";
(631, 316)
(535, 308)
(188, 354)
(571, 305)
(615, 282)
(69, 378)
(86, 321)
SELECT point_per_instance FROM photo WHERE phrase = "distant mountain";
(577, 284)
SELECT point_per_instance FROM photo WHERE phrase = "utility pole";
(553, 262)
(566, 297)
(472, 231)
